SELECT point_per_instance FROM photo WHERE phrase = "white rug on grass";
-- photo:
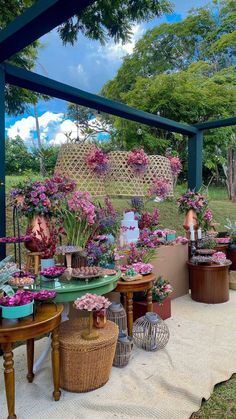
(167, 384)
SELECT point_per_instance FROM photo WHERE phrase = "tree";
(106, 19)
(18, 159)
(183, 71)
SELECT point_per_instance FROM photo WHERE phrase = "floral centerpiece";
(46, 241)
(219, 258)
(194, 205)
(149, 219)
(79, 219)
(161, 289)
(107, 218)
(160, 188)
(41, 197)
(53, 271)
(98, 161)
(175, 165)
(91, 303)
(142, 268)
(138, 161)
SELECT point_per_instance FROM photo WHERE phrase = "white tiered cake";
(130, 227)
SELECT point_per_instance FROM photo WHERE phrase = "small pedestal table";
(47, 319)
(209, 283)
(128, 288)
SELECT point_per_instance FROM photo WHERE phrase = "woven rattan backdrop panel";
(71, 162)
(121, 180)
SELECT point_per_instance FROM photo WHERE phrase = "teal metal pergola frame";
(35, 22)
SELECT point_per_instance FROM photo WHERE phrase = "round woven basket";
(85, 365)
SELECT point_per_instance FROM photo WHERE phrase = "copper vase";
(190, 218)
(38, 221)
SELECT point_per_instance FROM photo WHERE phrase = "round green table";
(69, 291)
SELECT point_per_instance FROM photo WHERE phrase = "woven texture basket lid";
(70, 335)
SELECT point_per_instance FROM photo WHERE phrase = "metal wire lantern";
(150, 332)
(124, 348)
(116, 313)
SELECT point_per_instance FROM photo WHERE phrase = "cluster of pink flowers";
(168, 231)
(23, 274)
(47, 243)
(14, 239)
(208, 216)
(81, 203)
(148, 239)
(160, 187)
(219, 257)
(98, 161)
(32, 198)
(161, 289)
(138, 160)
(181, 239)
(175, 165)
(148, 219)
(135, 254)
(222, 240)
(92, 302)
(142, 268)
(21, 298)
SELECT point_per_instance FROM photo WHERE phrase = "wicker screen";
(121, 180)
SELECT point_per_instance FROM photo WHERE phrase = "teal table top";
(69, 291)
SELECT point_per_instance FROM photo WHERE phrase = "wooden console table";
(209, 283)
(47, 319)
(128, 288)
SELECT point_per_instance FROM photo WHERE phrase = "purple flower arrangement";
(137, 203)
(92, 302)
(21, 298)
(53, 271)
(192, 200)
(98, 161)
(160, 187)
(138, 161)
(41, 197)
(143, 268)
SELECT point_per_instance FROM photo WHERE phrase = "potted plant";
(161, 300)
(231, 251)
(207, 246)
(80, 224)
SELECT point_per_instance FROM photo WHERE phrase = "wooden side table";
(128, 289)
(209, 283)
(47, 319)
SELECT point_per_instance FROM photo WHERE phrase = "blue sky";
(86, 65)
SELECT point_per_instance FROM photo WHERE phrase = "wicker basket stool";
(86, 365)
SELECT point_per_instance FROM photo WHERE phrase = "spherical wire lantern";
(150, 332)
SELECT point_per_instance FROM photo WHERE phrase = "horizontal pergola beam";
(216, 124)
(44, 85)
(35, 22)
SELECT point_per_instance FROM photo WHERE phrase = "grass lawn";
(222, 404)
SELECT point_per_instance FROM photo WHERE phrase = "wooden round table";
(128, 288)
(209, 283)
(47, 319)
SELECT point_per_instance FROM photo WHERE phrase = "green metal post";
(195, 148)
(2, 162)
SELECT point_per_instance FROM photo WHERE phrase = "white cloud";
(114, 51)
(26, 127)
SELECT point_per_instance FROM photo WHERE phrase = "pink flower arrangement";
(47, 243)
(219, 257)
(160, 187)
(181, 239)
(175, 165)
(81, 203)
(161, 289)
(208, 215)
(21, 298)
(148, 219)
(143, 268)
(92, 302)
(138, 160)
(98, 161)
(41, 197)
(222, 240)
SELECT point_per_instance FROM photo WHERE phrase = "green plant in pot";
(79, 222)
